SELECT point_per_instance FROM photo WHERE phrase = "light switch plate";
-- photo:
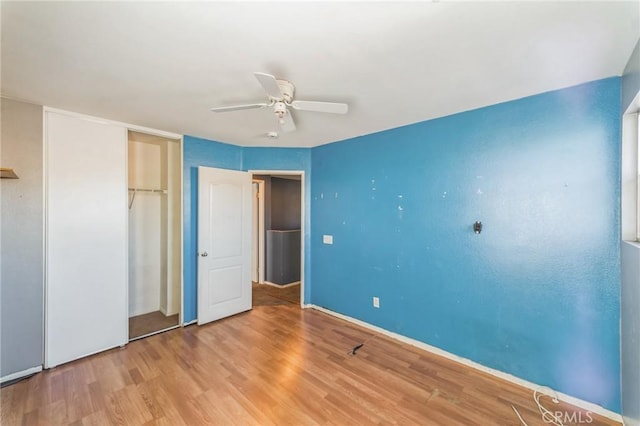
(327, 239)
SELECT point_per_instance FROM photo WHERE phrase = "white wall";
(630, 107)
(630, 333)
(145, 228)
(22, 210)
(631, 79)
(629, 177)
(630, 252)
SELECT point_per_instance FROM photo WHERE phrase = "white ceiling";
(163, 65)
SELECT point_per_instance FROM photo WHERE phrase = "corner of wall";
(631, 82)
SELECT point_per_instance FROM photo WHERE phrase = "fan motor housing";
(286, 88)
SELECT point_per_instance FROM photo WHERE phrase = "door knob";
(205, 254)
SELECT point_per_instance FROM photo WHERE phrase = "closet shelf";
(8, 173)
(160, 191)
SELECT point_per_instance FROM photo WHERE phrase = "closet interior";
(155, 297)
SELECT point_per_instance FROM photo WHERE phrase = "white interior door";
(86, 237)
(224, 243)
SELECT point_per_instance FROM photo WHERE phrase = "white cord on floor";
(519, 416)
(548, 416)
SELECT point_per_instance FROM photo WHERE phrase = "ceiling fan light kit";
(280, 96)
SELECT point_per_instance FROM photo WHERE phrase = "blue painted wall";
(536, 294)
(298, 159)
(199, 152)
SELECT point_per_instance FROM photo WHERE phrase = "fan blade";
(287, 124)
(332, 107)
(269, 84)
(238, 107)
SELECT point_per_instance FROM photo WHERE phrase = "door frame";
(170, 138)
(303, 215)
(179, 139)
(260, 230)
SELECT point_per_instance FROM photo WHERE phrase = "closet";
(154, 233)
(112, 233)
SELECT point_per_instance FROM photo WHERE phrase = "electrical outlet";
(327, 239)
(376, 302)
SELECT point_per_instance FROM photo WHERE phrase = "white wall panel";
(86, 237)
(145, 228)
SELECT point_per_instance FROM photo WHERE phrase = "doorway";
(278, 243)
(155, 194)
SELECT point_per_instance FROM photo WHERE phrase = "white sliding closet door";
(86, 237)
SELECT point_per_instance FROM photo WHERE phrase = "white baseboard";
(19, 374)
(628, 421)
(596, 409)
(167, 313)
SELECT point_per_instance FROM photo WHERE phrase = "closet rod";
(161, 191)
(135, 190)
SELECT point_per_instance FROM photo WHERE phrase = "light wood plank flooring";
(141, 325)
(274, 365)
(265, 294)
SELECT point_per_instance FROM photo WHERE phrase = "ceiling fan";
(280, 98)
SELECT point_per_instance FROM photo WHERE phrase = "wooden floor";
(265, 295)
(141, 325)
(274, 365)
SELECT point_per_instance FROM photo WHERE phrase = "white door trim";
(129, 126)
(180, 141)
(261, 258)
(181, 315)
(303, 214)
